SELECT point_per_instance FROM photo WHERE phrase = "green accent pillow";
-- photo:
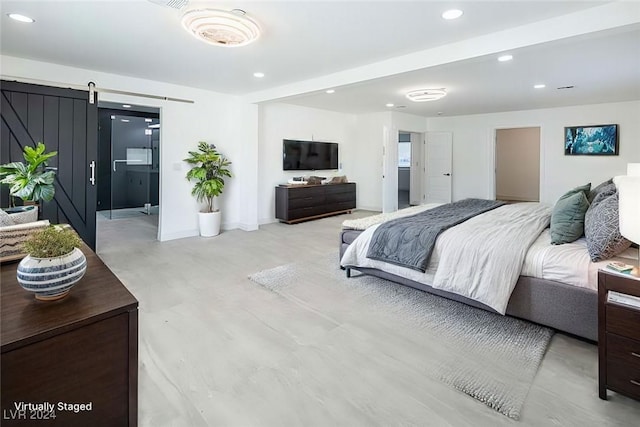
(567, 216)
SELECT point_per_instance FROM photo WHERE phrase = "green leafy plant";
(210, 168)
(30, 181)
(51, 242)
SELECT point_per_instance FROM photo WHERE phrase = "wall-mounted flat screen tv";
(309, 155)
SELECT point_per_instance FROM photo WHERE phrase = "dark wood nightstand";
(618, 335)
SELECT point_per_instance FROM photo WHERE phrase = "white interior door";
(415, 189)
(438, 175)
(389, 169)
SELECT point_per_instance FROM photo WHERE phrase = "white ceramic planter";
(51, 278)
(23, 214)
(209, 223)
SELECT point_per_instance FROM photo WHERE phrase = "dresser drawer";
(340, 197)
(623, 321)
(303, 192)
(306, 212)
(307, 201)
(623, 351)
(340, 188)
(623, 379)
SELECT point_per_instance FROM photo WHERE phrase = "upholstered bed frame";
(563, 307)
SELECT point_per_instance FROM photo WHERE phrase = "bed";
(554, 285)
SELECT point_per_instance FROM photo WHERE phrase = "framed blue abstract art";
(597, 140)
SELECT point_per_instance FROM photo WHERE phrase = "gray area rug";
(492, 358)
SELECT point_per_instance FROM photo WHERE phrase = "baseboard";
(239, 226)
(368, 208)
(264, 221)
(164, 237)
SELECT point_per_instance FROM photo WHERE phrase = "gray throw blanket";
(409, 241)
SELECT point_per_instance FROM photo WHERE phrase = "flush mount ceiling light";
(539, 86)
(221, 27)
(330, 91)
(389, 105)
(452, 14)
(505, 58)
(21, 18)
(424, 95)
(258, 75)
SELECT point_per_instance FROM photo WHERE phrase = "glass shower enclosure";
(133, 167)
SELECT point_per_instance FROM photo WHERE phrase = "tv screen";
(309, 155)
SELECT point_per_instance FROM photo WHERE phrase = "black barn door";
(65, 121)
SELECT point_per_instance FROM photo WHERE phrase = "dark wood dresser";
(303, 202)
(78, 355)
(618, 335)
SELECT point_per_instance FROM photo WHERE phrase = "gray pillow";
(602, 229)
(603, 193)
(593, 193)
(583, 188)
(567, 218)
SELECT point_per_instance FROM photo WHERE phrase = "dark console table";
(303, 202)
(79, 354)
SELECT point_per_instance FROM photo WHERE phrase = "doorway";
(409, 171)
(404, 169)
(129, 170)
(518, 164)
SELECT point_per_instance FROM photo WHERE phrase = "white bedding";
(568, 263)
(480, 259)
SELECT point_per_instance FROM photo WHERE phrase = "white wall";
(368, 162)
(284, 121)
(473, 147)
(213, 117)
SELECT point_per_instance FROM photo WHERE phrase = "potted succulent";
(54, 263)
(29, 181)
(208, 172)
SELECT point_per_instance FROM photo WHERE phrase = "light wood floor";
(219, 350)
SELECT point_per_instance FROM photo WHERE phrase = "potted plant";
(54, 263)
(29, 181)
(208, 172)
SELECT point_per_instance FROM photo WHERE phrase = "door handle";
(92, 166)
(115, 162)
(446, 174)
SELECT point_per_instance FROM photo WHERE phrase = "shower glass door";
(134, 166)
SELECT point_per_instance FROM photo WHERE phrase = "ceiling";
(307, 40)
(601, 67)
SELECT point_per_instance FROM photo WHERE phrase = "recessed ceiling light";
(389, 105)
(452, 14)
(424, 95)
(126, 106)
(539, 86)
(221, 27)
(330, 90)
(258, 75)
(505, 58)
(124, 120)
(21, 18)
(148, 120)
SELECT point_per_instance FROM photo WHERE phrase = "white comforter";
(480, 259)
